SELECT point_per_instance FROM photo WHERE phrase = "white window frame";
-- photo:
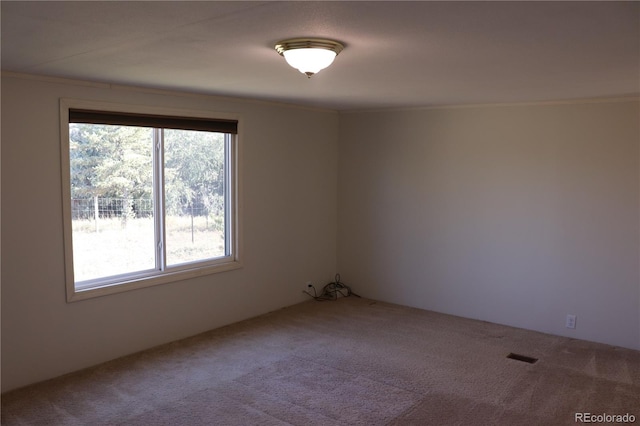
(127, 282)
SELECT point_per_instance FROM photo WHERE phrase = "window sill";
(74, 295)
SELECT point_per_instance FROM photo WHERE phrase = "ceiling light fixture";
(309, 55)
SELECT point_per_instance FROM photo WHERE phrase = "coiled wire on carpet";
(331, 291)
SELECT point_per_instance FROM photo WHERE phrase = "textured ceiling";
(398, 54)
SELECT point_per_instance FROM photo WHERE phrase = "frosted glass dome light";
(309, 55)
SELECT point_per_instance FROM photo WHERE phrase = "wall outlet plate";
(308, 287)
(571, 321)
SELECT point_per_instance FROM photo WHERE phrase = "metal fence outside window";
(132, 208)
(108, 208)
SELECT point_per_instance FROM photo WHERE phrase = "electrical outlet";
(308, 287)
(571, 321)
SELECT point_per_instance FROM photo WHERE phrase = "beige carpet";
(350, 362)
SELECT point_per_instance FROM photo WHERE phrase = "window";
(150, 196)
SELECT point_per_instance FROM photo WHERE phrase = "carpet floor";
(349, 362)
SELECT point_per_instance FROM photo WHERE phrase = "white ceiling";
(398, 54)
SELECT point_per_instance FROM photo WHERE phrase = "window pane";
(194, 195)
(111, 200)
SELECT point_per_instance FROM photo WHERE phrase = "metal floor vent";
(522, 358)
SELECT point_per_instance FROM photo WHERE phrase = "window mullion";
(158, 195)
(228, 213)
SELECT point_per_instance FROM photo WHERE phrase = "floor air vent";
(522, 358)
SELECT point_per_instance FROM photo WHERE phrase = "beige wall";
(289, 207)
(515, 214)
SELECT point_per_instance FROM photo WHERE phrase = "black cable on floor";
(332, 291)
